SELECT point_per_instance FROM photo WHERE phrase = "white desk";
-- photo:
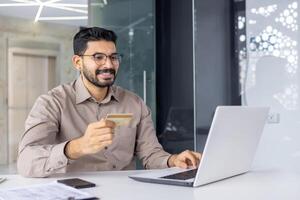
(256, 185)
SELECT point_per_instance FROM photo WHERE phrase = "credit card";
(120, 119)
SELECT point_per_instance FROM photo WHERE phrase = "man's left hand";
(185, 159)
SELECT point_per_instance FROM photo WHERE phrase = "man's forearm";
(73, 149)
(42, 160)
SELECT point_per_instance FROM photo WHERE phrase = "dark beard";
(93, 78)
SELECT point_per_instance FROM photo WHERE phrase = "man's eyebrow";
(105, 53)
(98, 53)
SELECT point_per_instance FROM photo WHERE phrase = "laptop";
(229, 149)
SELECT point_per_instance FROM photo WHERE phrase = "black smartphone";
(77, 183)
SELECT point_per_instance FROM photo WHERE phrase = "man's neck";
(97, 92)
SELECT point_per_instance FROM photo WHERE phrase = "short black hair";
(85, 35)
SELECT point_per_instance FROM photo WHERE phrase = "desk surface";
(261, 184)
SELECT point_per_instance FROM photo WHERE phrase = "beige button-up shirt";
(64, 114)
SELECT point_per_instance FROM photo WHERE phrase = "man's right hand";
(97, 136)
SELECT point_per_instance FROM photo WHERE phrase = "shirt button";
(60, 163)
(114, 166)
(105, 147)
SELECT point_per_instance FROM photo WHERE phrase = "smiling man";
(67, 129)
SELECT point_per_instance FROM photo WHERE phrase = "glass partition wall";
(267, 40)
(134, 23)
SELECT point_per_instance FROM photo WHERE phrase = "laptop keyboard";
(182, 175)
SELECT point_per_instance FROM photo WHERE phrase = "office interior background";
(183, 57)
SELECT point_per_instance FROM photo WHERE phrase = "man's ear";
(77, 62)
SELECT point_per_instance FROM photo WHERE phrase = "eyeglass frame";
(106, 56)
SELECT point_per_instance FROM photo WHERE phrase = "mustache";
(100, 71)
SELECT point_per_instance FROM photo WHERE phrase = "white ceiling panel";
(70, 12)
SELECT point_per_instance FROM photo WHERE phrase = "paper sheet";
(49, 191)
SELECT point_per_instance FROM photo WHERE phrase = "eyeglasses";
(100, 58)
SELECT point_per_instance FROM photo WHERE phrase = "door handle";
(145, 85)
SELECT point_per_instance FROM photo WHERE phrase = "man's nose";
(108, 63)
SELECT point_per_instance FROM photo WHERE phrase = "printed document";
(48, 191)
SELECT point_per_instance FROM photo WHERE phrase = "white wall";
(272, 78)
(16, 32)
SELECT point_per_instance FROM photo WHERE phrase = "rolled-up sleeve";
(40, 154)
(148, 148)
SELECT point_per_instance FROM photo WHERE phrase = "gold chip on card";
(120, 119)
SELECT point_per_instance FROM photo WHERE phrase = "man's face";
(101, 74)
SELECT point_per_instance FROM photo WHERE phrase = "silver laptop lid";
(232, 141)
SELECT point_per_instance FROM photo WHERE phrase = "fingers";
(188, 158)
(103, 138)
(191, 157)
(102, 131)
(97, 136)
(103, 123)
(107, 143)
(181, 164)
(198, 155)
(100, 128)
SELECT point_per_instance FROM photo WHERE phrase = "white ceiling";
(70, 12)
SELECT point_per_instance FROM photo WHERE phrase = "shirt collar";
(112, 94)
(82, 94)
